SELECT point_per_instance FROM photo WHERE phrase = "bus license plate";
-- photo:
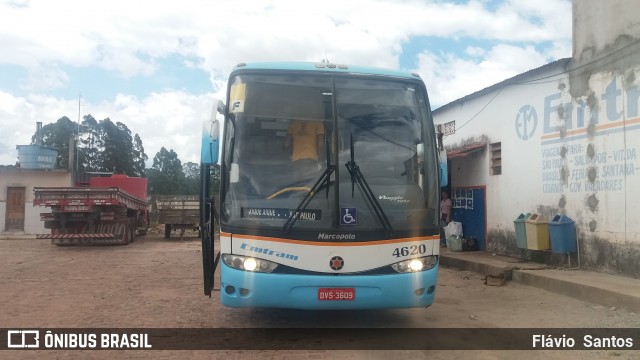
(336, 294)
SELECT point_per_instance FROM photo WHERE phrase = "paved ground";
(606, 289)
(156, 283)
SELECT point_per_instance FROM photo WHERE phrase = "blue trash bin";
(562, 233)
(521, 233)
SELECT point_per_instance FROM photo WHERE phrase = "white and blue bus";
(329, 189)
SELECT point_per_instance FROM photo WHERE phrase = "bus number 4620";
(410, 250)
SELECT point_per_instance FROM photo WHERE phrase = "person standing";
(445, 215)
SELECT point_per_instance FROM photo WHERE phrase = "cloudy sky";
(156, 65)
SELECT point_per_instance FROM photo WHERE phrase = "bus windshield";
(348, 153)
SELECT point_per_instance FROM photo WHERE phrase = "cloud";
(165, 119)
(171, 119)
(475, 51)
(449, 77)
(43, 78)
(127, 65)
(130, 39)
(14, 127)
(224, 33)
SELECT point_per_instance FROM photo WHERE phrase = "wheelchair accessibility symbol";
(348, 216)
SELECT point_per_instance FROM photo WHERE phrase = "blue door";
(469, 208)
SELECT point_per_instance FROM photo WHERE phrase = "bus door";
(208, 159)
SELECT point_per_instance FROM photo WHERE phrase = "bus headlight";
(248, 263)
(417, 264)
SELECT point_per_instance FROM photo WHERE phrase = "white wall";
(570, 134)
(596, 182)
(30, 179)
(518, 189)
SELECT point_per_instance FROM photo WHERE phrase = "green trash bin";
(521, 232)
(537, 232)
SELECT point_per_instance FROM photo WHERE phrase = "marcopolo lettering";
(325, 236)
(398, 199)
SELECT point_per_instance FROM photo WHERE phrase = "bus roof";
(325, 67)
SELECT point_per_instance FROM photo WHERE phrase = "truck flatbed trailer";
(178, 212)
(93, 215)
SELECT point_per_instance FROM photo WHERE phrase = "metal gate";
(470, 208)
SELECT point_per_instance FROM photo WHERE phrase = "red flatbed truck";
(110, 211)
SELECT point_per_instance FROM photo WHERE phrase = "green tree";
(139, 156)
(57, 135)
(191, 170)
(117, 154)
(191, 183)
(91, 144)
(215, 178)
(103, 145)
(155, 181)
(168, 176)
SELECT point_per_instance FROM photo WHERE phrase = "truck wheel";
(132, 230)
(167, 231)
(125, 239)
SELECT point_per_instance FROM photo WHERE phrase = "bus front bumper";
(263, 290)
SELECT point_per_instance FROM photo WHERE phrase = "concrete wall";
(29, 179)
(600, 27)
(606, 39)
(561, 154)
(570, 135)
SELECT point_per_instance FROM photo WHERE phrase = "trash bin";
(562, 233)
(521, 233)
(537, 229)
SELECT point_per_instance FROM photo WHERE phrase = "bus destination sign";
(275, 213)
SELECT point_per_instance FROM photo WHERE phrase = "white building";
(563, 139)
(18, 216)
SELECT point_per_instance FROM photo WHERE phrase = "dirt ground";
(157, 283)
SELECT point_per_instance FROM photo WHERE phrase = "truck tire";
(126, 237)
(132, 229)
(167, 231)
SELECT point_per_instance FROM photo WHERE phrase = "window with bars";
(496, 158)
(449, 128)
(462, 198)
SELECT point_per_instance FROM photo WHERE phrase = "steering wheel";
(293, 188)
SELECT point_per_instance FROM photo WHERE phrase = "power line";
(478, 113)
(537, 80)
(591, 62)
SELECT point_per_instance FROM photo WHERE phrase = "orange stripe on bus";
(322, 243)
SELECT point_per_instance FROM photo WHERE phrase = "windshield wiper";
(358, 177)
(323, 179)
